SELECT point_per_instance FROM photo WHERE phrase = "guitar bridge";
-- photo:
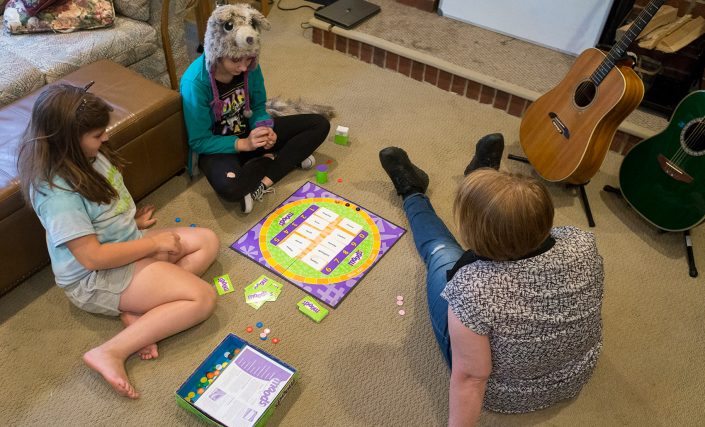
(559, 125)
(670, 169)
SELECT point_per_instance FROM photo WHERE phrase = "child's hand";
(272, 139)
(257, 138)
(143, 217)
(167, 241)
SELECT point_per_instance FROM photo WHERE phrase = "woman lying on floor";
(517, 316)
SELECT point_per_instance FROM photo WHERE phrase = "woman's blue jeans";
(440, 251)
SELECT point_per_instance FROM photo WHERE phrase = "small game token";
(340, 179)
(267, 331)
(402, 312)
(275, 340)
(259, 324)
(177, 219)
(263, 335)
(230, 174)
(400, 302)
(329, 161)
(400, 298)
(192, 225)
(263, 338)
(249, 329)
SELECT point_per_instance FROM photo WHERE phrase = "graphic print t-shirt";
(66, 216)
(233, 120)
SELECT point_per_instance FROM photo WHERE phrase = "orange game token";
(275, 340)
(199, 391)
(249, 329)
(340, 179)
(209, 375)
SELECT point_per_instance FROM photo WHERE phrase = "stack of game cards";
(262, 290)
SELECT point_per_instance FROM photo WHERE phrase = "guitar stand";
(581, 187)
(692, 268)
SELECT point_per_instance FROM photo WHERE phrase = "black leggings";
(298, 136)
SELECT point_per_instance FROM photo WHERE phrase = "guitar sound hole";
(585, 94)
(693, 141)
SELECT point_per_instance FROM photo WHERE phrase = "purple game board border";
(332, 294)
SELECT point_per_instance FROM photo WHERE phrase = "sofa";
(151, 42)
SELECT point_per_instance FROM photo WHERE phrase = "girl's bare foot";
(112, 369)
(147, 352)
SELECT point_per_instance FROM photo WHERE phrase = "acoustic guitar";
(663, 177)
(567, 132)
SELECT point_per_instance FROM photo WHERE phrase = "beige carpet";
(366, 365)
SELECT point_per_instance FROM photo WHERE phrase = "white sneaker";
(308, 163)
(246, 204)
(259, 193)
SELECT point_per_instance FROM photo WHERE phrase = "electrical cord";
(295, 8)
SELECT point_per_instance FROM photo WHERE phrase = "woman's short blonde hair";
(502, 216)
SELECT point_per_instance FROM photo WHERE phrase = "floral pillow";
(60, 17)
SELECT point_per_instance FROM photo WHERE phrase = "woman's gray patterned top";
(542, 315)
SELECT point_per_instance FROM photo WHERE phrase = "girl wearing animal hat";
(241, 150)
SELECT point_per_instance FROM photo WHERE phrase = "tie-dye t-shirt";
(66, 215)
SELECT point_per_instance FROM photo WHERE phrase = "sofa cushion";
(17, 77)
(135, 9)
(56, 55)
(63, 16)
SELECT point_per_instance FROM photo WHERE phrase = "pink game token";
(400, 302)
(400, 298)
(402, 312)
(267, 331)
(263, 335)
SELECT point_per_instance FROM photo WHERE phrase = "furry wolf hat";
(233, 31)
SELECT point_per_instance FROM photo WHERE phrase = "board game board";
(320, 242)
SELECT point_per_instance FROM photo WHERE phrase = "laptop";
(347, 13)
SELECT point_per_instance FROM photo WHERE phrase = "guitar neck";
(618, 50)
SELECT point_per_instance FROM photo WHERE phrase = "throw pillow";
(63, 17)
(33, 7)
(135, 9)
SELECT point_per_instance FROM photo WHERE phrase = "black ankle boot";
(406, 177)
(488, 153)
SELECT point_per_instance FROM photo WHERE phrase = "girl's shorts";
(100, 291)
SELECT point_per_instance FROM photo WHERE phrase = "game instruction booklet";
(237, 385)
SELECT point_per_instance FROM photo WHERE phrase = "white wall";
(569, 26)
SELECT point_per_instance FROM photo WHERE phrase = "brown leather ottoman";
(146, 127)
